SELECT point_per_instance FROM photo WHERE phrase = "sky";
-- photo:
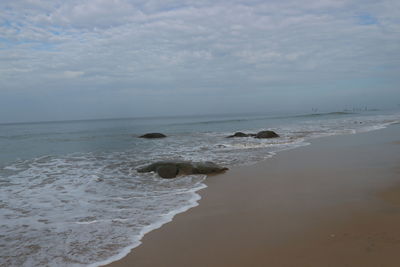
(81, 59)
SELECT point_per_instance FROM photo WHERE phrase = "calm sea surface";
(70, 194)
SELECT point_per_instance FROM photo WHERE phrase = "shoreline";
(194, 202)
(217, 204)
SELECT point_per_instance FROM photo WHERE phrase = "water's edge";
(196, 197)
(194, 202)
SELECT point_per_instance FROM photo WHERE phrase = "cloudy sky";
(75, 59)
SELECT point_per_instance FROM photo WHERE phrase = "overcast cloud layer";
(112, 58)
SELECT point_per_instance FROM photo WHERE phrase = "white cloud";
(73, 74)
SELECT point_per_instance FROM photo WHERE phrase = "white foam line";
(193, 202)
(162, 193)
(111, 220)
(89, 222)
(12, 168)
(377, 127)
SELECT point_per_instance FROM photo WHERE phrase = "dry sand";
(333, 203)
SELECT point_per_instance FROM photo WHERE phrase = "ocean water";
(70, 194)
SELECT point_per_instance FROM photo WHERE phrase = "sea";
(70, 194)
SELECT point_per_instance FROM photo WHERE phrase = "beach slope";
(335, 202)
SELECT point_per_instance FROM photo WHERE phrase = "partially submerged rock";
(266, 134)
(167, 171)
(262, 134)
(207, 167)
(153, 135)
(239, 134)
(171, 169)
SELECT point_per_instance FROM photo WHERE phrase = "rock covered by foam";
(171, 169)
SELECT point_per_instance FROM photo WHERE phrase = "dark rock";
(185, 168)
(153, 135)
(170, 169)
(239, 134)
(207, 167)
(266, 134)
(182, 166)
(167, 171)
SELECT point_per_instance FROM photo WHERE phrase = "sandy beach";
(335, 202)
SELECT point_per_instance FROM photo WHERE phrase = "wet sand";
(333, 203)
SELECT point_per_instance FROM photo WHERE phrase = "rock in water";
(153, 135)
(167, 171)
(207, 167)
(266, 134)
(239, 134)
(183, 167)
(170, 169)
